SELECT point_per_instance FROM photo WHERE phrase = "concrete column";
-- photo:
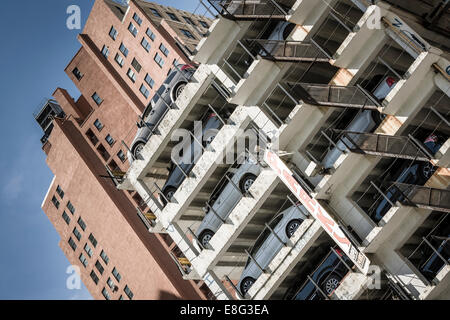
(361, 46)
(308, 12)
(223, 35)
(409, 95)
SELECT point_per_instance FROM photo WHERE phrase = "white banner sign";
(317, 211)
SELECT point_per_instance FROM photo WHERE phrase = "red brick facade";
(78, 151)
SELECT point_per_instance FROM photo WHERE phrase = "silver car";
(268, 245)
(160, 104)
(365, 121)
(226, 196)
(178, 172)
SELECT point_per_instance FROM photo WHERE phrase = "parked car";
(416, 174)
(327, 276)
(431, 262)
(281, 31)
(267, 245)
(176, 176)
(160, 104)
(226, 196)
(365, 121)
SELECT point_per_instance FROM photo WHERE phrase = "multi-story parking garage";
(346, 194)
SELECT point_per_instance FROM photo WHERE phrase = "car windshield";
(147, 111)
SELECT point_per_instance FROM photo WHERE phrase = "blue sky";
(36, 47)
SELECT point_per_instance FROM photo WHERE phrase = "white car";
(268, 245)
(226, 196)
(365, 121)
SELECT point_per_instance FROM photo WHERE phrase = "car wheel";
(178, 90)
(205, 237)
(168, 193)
(246, 284)
(331, 283)
(427, 170)
(246, 182)
(292, 227)
(138, 150)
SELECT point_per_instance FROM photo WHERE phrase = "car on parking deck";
(161, 103)
(228, 192)
(434, 260)
(365, 121)
(327, 277)
(267, 245)
(178, 172)
(416, 173)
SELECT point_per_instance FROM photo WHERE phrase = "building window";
(93, 240)
(187, 33)
(94, 277)
(72, 244)
(77, 233)
(92, 137)
(99, 267)
(97, 98)
(149, 80)
(145, 44)
(204, 24)
(82, 224)
(110, 140)
(77, 73)
(88, 250)
(164, 50)
(132, 29)
(144, 91)
(98, 125)
(106, 294)
(121, 156)
(66, 217)
(104, 257)
(131, 75)
(150, 34)
(105, 51)
(172, 16)
(189, 20)
(55, 202)
(71, 207)
(128, 292)
(83, 260)
(136, 65)
(60, 192)
(116, 274)
(155, 12)
(159, 60)
(113, 33)
(110, 283)
(123, 49)
(137, 19)
(103, 152)
(119, 59)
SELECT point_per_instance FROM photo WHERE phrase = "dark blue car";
(431, 262)
(327, 276)
(416, 174)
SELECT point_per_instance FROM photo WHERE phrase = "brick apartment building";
(126, 53)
